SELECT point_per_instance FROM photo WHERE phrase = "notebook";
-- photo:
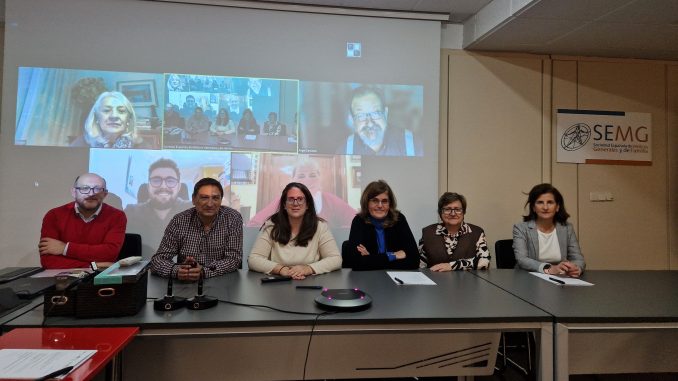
(10, 273)
(29, 288)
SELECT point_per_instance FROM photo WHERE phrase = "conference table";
(627, 322)
(451, 328)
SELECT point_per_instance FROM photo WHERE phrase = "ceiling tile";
(572, 9)
(645, 12)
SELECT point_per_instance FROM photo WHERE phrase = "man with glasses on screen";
(149, 217)
(206, 239)
(372, 134)
(84, 231)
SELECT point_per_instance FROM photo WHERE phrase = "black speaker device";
(343, 299)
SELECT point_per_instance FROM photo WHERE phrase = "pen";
(556, 280)
(311, 287)
(56, 373)
(399, 281)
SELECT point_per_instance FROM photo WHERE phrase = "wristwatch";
(546, 267)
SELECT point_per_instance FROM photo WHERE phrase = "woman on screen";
(223, 125)
(380, 237)
(248, 125)
(453, 244)
(111, 123)
(175, 83)
(545, 241)
(294, 241)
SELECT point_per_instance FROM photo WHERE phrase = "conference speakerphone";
(343, 299)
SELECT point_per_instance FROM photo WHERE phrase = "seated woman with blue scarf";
(380, 237)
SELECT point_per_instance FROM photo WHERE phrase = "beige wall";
(497, 123)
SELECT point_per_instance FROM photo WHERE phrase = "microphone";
(200, 301)
(169, 302)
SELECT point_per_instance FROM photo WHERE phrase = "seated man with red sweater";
(84, 231)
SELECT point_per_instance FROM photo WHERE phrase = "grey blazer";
(526, 246)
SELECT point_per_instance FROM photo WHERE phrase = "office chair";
(503, 253)
(131, 247)
(345, 249)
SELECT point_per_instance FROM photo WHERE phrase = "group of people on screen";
(206, 239)
(112, 123)
(193, 124)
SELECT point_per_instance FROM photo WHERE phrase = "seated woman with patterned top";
(294, 241)
(453, 244)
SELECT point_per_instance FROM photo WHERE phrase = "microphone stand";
(201, 301)
(169, 302)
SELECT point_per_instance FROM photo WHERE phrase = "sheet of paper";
(29, 364)
(410, 278)
(566, 281)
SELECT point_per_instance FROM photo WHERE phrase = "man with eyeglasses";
(149, 218)
(84, 231)
(206, 239)
(371, 132)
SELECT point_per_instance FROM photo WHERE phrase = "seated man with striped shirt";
(205, 239)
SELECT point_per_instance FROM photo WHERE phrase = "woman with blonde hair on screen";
(111, 123)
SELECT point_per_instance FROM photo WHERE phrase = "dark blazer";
(398, 237)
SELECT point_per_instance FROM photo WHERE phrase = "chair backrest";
(345, 249)
(131, 247)
(503, 252)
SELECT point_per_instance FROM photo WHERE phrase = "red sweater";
(100, 240)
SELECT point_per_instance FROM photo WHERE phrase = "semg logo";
(575, 137)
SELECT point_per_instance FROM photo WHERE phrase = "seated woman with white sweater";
(294, 241)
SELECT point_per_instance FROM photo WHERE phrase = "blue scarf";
(381, 237)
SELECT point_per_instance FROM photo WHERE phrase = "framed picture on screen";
(140, 93)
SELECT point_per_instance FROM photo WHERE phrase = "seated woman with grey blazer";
(545, 241)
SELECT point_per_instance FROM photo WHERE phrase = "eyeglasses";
(86, 189)
(453, 211)
(295, 201)
(374, 115)
(157, 181)
(377, 201)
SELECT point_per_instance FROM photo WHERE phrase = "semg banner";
(604, 137)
